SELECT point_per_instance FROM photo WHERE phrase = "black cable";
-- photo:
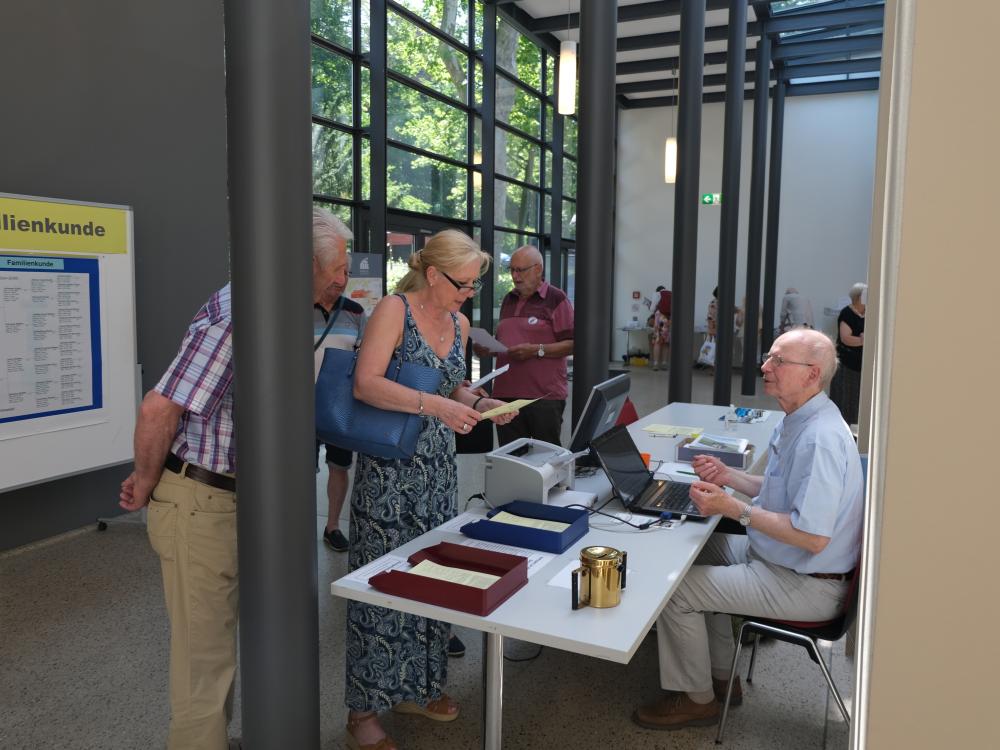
(478, 496)
(664, 516)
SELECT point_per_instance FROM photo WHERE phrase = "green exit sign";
(711, 199)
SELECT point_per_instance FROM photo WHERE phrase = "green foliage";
(332, 85)
(332, 20)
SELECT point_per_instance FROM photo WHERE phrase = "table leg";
(492, 691)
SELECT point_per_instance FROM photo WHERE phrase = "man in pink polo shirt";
(536, 326)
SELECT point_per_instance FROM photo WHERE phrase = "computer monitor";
(600, 413)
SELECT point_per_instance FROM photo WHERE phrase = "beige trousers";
(192, 527)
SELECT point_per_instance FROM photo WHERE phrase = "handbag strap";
(402, 345)
(338, 306)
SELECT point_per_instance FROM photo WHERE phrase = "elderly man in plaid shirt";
(185, 466)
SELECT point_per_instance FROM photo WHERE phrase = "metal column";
(773, 208)
(377, 132)
(492, 691)
(729, 221)
(692, 56)
(752, 312)
(270, 197)
(595, 227)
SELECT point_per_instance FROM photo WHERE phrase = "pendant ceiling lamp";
(670, 151)
(567, 73)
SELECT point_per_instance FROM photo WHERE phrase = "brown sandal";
(386, 743)
(439, 709)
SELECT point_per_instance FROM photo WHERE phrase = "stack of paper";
(716, 443)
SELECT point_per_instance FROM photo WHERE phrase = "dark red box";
(512, 569)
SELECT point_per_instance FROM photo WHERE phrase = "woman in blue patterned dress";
(397, 660)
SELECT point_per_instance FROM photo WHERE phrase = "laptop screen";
(621, 460)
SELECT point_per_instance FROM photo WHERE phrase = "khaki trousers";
(192, 527)
(696, 642)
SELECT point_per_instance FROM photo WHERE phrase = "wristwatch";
(745, 514)
(541, 351)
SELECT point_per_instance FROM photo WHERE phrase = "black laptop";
(634, 483)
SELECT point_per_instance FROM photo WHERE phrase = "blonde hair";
(447, 251)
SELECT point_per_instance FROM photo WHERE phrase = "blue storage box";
(522, 536)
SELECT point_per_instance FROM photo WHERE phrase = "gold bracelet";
(420, 403)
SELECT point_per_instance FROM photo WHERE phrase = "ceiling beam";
(711, 97)
(790, 50)
(867, 65)
(673, 38)
(520, 20)
(840, 67)
(626, 13)
(835, 32)
(832, 87)
(825, 19)
(655, 65)
(839, 5)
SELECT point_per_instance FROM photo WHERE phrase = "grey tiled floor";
(83, 658)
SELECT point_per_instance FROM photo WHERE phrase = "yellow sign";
(54, 227)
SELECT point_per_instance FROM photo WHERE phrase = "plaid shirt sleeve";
(202, 371)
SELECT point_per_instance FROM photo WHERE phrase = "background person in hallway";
(330, 238)
(803, 535)
(396, 660)
(536, 326)
(796, 311)
(845, 390)
(659, 337)
(185, 462)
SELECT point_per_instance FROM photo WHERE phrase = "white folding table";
(541, 613)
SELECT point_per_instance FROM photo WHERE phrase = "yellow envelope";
(508, 408)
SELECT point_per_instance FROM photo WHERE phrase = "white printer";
(533, 470)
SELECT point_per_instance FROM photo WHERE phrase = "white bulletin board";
(69, 384)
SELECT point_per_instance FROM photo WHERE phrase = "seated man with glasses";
(802, 543)
(536, 326)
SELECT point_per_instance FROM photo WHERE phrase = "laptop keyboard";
(672, 496)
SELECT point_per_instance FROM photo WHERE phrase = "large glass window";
(425, 185)
(333, 20)
(419, 55)
(332, 85)
(426, 123)
(518, 107)
(333, 162)
(518, 55)
(517, 157)
(516, 206)
(451, 17)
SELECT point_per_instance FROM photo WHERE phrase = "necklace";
(421, 306)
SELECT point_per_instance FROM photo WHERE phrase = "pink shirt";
(543, 318)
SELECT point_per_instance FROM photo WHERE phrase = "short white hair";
(857, 290)
(329, 234)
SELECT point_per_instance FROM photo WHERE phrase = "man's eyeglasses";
(474, 287)
(778, 360)
(519, 271)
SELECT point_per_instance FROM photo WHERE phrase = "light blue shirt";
(814, 475)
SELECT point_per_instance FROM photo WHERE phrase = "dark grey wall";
(119, 101)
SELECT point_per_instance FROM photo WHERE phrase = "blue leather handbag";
(346, 422)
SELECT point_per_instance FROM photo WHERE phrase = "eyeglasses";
(779, 361)
(519, 271)
(474, 287)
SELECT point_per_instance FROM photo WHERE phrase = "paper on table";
(483, 338)
(487, 378)
(536, 560)
(672, 430)
(532, 523)
(454, 575)
(508, 408)
(382, 565)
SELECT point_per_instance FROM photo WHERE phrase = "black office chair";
(804, 634)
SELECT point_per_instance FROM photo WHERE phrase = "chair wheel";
(102, 526)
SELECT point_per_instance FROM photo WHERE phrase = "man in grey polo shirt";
(803, 537)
